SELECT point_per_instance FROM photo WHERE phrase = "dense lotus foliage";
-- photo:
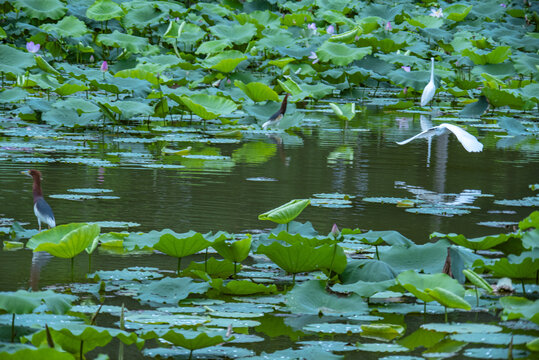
(216, 70)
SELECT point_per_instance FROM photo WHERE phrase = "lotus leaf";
(36, 353)
(225, 61)
(242, 287)
(136, 74)
(382, 331)
(69, 26)
(457, 12)
(448, 298)
(103, 10)
(364, 288)
(286, 212)
(193, 340)
(180, 245)
(170, 290)
(65, 241)
(209, 106)
(14, 61)
(525, 269)
(345, 111)
(236, 33)
(368, 271)
(496, 56)
(421, 337)
(462, 328)
(235, 251)
(341, 54)
(42, 9)
(257, 91)
(134, 44)
(480, 243)
(518, 307)
(24, 302)
(418, 284)
(477, 280)
(380, 347)
(214, 268)
(532, 221)
(312, 298)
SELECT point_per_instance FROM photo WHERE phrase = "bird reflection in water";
(277, 140)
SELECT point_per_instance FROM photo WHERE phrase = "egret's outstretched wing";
(425, 134)
(467, 140)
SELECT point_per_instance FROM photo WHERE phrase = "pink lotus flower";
(31, 47)
(104, 66)
(312, 27)
(330, 30)
(314, 57)
(335, 231)
(388, 26)
(503, 5)
(406, 68)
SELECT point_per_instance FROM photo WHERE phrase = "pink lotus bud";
(335, 230)
(104, 66)
(330, 29)
(388, 26)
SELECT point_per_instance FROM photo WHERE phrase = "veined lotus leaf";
(214, 268)
(457, 12)
(192, 340)
(14, 61)
(242, 287)
(70, 337)
(103, 10)
(286, 212)
(69, 117)
(390, 237)
(367, 270)
(142, 15)
(448, 298)
(41, 9)
(213, 46)
(425, 21)
(477, 280)
(340, 54)
(138, 74)
(385, 332)
(65, 241)
(481, 57)
(27, 352)
(257, 91)
(214, 9)
(421, 337)
(531, 92)
(145, 240)
(299, 238)
(70, 87)
(180, 245)
(344, 111)
(311, 297)
(236, 33)
(77, 104)
(480, 243)
(12, 95)
(525, 269)
(69, 26)
(414, 79)
(225, 61)
(506, 97)
(235, 251)
(209, 106)
(274, 38)
(254, 153)
(518, 307)
(429, 257)
(418, 283)
(364, 288)
(170, 290)
(134, 44)
(24, 302)
(298, 258)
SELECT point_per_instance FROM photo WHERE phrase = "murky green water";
(228, 192)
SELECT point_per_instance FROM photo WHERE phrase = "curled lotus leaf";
(286, 212)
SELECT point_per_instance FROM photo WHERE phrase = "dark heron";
(275, 118)
(42, 210)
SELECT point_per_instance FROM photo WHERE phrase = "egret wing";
(424, 134)
(470, 142)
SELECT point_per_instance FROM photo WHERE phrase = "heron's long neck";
(36, 188)
(283, 105)
(432, 69)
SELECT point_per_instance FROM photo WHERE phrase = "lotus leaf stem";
(377, 254)
(523, 288)
(476, 295)
(179, 266)
(72, 268)
(81, 346)
(13, 327)
(445, 308)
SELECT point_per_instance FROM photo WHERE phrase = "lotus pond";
(185, 230)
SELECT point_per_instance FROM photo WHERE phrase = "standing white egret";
(470, 142)
(430, 89)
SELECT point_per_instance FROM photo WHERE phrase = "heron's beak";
(26, 172)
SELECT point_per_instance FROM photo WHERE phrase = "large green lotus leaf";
(364, 288)
(77, 104)
(526, 64)
(70, 337)
(414, 79)
(213, 46)
(68, 117)
(344, 111)
(242, 287)
(275, 38)
(531, 221)
(103, 10)
(527, 269)
(70, 244)
(390, 237)
(518, 307)
(299, 238)
(384, 332)
(481, 57)
(421, 337)
(130, 109)
(236, 33)
(45, 66)
(235, 251)
(192, 340)
(180, 245)
(24, 302)
(341, 54)
(132, 43)
(192, 33)
(457, 12)
(286, 212)
(14, 61)
(12, 95)
(209, 106)
(69, 26)
(425, 21)
(347, 36)
(367, 270)
(53, 235)
(448, 298)
(418, 283)
(299, 257)
(225, 61)
(138, 74)
(476, 108)
(480, 243)
(41, 9)
(533, 345)
(505, 97)
(531, 91)
(257, 91)
(253, 153)
(71, 87)
(530, 239)
(25, 353)
(141, 15)
(214, 268)
(429, 258)
(312, 298)
(170, 290)
(477, 280)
